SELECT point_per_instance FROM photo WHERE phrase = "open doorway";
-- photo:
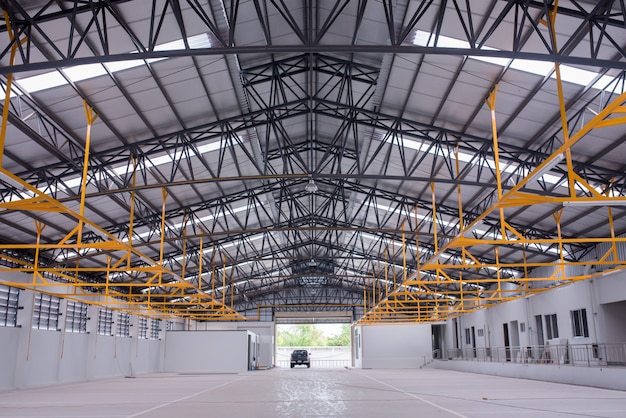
(438, 332)
(329, 345)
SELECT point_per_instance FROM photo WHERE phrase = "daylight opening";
(328, 345)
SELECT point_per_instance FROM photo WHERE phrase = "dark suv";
(300, 357)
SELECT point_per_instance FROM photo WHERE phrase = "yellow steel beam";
(70, 278)
(464, 299)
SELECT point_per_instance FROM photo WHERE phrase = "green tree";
(302, 335)
(342, 339)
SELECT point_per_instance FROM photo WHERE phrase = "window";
(522, 327)
(468, 336)
(552, 329)
(46, 312)
(105, 321)
(481, 332)
(143, 328)
(76, 317)
(9, 298)
(123, 324)
(154, 329)
(579, 323)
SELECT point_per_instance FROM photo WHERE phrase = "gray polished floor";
(302, 392)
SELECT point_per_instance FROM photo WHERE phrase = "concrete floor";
(302, 392)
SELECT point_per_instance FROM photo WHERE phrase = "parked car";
(300, 357)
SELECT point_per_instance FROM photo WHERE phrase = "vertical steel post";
(108, 276)
(91, 117)
(404, 272)
(387, 273)
(162, 241)
(39, 226)
(184, 260)
(223, 280)
(200, 259)
(434, 218)
(612, 226)
(491, 102)
(571, 182)
(213, 271)
(557, 217)
(132, 211)
(364, 299)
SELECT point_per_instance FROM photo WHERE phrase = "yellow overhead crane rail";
(440, 296)
(175, 297)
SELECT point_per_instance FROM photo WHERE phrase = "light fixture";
(549, 165)
(311, 187)
(596, 202)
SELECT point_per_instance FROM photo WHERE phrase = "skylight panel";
(41, 82)
(542, 68)
(87, 71)
(153, 162)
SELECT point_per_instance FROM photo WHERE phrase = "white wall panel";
(9, 339)
(395, 346)
(206, 351)
(37, 357)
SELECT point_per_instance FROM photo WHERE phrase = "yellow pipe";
(557, 217)
(91, 117)
(404, 272)
(364, 300)
(387, 273)
(132, 211)
(232, 288)
(108, 275)
(39, 226)
(434, 216)
(213, 270)
(224, 281)
(200, 259)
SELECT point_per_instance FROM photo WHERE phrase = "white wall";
(206, 351)
(9, 340)
(33, 357)
(36, 357)
(395, 346)
(613, 316)
(264, 330)
(266, 339)
(600, 298)
(603, 298)
(610, 378)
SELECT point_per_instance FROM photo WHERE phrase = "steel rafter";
(602, 22)
(246, 236)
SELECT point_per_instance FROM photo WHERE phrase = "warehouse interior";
(178, 177)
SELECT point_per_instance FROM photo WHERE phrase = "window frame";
(142, 328)
(76, 317)
(9, 305)
(155, 328)
(46, 312)
(580, 324)
(105, 322)
(123, 324)
(552, 326)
